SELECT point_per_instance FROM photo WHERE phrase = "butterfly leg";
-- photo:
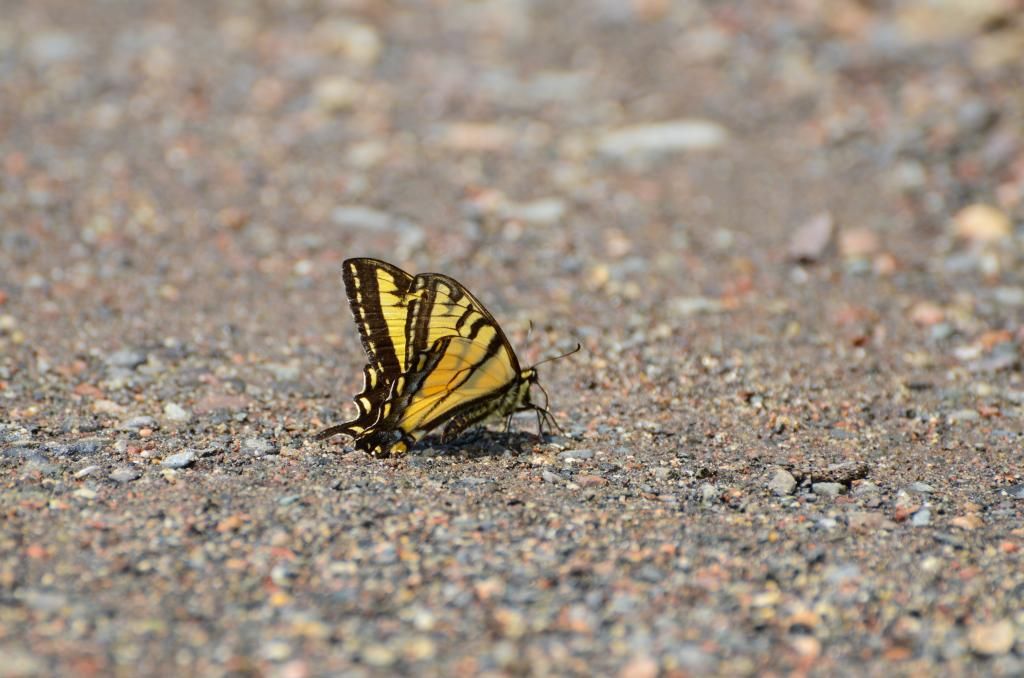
(555, 426)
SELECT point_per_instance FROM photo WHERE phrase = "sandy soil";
(788, 237)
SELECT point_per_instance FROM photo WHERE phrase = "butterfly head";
(528, 378)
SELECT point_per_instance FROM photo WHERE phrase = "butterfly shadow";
(481, 443)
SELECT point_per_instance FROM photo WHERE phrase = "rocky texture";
(788, 236)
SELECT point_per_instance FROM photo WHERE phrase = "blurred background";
(220, 158)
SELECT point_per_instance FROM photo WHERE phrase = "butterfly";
(435, 356)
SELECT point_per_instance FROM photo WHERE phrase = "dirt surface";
(787, 234)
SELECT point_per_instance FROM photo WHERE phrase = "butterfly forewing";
(441, 307)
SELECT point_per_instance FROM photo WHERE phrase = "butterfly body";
(435, 356)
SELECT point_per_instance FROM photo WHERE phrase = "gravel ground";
(788, 235)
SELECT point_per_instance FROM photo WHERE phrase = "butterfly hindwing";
(375, 391)
(378, 294)
(461, 381)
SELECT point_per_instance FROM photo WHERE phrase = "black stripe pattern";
(413, 331)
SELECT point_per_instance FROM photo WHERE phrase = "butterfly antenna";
(559, 357)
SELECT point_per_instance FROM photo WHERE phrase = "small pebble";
(864, 487)
(587, 480)
(137, 423)
(921, 518)
(258, 447)
(811, 240)
(126, 358)
(993, 639)
(963, 415)
(125, 474)
(363, 218)
(105, 406)
(782, 483)
(87, 471)
(337, 94)
(640, 667)
(576, 454)
(284, 372)
(550, 477)
(907, 502)
(865, 520)
(54, 46)
(661, 139)
(474, 481)
(951, 539)
(544, 212)
(1009, 296)
(352, 40)
(684, 307)
(858, 242)
(828, 523)
(179, 460)
(941, 331)
(175, 412)
(379, 656)
(276, 650)
(982, 223)
(844, 472)
(827, 489)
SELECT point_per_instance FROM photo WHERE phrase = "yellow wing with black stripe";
(435, 354)
(440, 307)
(459, 382)
(378, 295)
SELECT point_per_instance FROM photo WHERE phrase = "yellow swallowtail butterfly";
(435, 356)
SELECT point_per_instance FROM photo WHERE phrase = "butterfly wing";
(378, 294)
(400, 316)
(461, 380)
(402, 321)
(375, 392)
(439, 307)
